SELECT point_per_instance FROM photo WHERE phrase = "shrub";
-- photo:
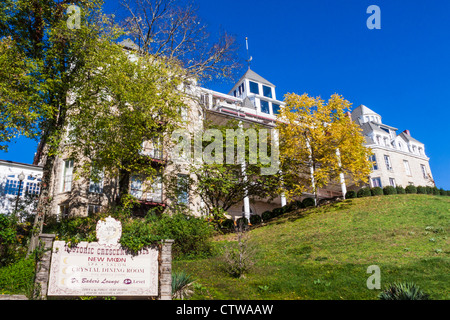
(299, 204)
(421, 190)
(376, 191)
(191, 234)
(429, 190)
(290, 207)
(309, 202)
(255, 219)
(242, 222)
(389, 190)
(266, 215)
(403, 291)
(18, 278)
(277, 212)
(7, 240)
(400, 190)
(436, 191)
(363, 192)
(350, 194)
(442, 192)
(238, 257)
(227, 224)
(137, 235)
(411, 189)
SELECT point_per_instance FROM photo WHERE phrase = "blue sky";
(321, 47)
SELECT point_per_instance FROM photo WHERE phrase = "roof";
(20, 164)
(252, 75)
(409, 138)
(360, 110)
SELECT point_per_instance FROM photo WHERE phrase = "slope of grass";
(324, 253)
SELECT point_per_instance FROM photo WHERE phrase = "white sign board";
(96, 269)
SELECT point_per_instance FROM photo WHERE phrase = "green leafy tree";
(231, 167)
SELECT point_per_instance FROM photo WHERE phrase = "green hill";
(324, 253)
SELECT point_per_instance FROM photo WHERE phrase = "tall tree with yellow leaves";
(319, 145)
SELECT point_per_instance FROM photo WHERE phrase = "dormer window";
(275, 108)
(254, 87)
(265, 106)
(267, 91)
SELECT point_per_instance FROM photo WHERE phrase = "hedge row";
(377, 191)
(270, 214)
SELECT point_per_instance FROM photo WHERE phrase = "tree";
(318, 143)
(172, 29)
(79, 93)
(234, 163)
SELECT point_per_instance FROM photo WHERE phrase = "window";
(136, 187)
(407, 168)
(254, 88)
(155, 194)
(424, 171)
(275, 108)
(392, 182)
(183, 189)
(387, 160)
(63, 211)
(33, 188)
(96, 183)
(373, 159)
(93, 208)
(376, 182)
(67, 176)
(267, 91)
(242, 87)
(12, 186)
(265, 106)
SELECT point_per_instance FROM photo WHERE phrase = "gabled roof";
(252, 75)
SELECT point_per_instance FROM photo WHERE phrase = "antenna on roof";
(249, 59)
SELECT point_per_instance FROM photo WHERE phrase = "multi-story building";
(17, 181)
(398, 159)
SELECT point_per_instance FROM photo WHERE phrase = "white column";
(246, 199)
(282, 196)
(341, 175)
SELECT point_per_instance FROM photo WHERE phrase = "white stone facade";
(399, 159)
(10, 185)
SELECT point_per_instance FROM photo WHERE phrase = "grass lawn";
(324, 253)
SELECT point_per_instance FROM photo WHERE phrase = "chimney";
(407, 132)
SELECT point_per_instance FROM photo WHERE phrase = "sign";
(103, 268)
